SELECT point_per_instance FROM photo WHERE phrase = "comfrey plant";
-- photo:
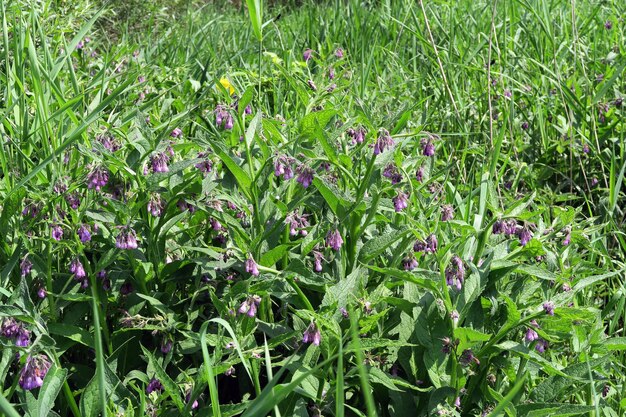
(295, 232)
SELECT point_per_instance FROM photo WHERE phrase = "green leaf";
(74, 333)
(553, 409)
(270, 257)
(49, 391)
(255, 9)
(551, 387)
(243, 179)
(615, 343)
(168, 383)
(421, 277)
(334, 196)
(379, 244)
(310, 122)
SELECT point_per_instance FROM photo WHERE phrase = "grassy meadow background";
(342, 208)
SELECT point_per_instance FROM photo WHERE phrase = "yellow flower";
(227, 85)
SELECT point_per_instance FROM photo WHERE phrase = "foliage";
(337, 209)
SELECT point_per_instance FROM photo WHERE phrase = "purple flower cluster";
(357, 135)
(223, 117)
(305, 175)
(391, 171)
(312, 335)
(429, 245)
(57, 232)
(154, 385)
(252, 267)
(409, 263)
(467, 358)
(77, 269)
(159, 161)
(334, 240)
(176, 133)
(34, 371)
(447, 212)
(384, 141)
(455, 273)
(400, 201)
(12, 329)
(428, 147)
(84, 233)
(155, 205)
(250, 306)
(297, 223)
(26, 266)
(97, 178)
(126, 239)
(506, 227)
(109, 142)
(206, 165)
(283, 167)
(548, 307)
(419, 174)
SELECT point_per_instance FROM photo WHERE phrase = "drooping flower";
(73, 200)
(339, 53)
(41, 292)
(306, 55)
(305, 175)
(467, 358)
(166, 345)
(176, 133)
(531, 335)
(154, 385)
(391, 171)
(431, 243)
(188, 398)
(84, 233)
(409, 263)
(9, 327)
(76, 268)
(97, 178)
(455, 273)
(383, 142)
(34, 371)
(357, 135)
(283, 167)
(334, 240)
(331, 73)
(22, 338)
(26, 266)
(206, 165)
(525, 125)
(400, 201)
(250, 306)
(126, 239)
(541, 345)
(297, 223)
(524, 236)
(548, 307)
(312, 85)
(252, 267)
(57, 232)
(608, 25)
(428, 147)
(159, 161)
(419, 174)
(447, 212)
(126, 288)
(155, 205)
(312, 335)
(317, 262)
(344, 312)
